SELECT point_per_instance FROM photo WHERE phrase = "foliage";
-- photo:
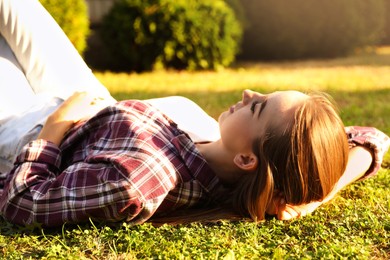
(238, 9)
(293, 29)
(72, 17)
(180, 34)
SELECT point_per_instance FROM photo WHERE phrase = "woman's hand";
(287, 211)
(283, 211)
(81, 105)
(359, 161)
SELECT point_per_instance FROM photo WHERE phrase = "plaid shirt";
(126, 163)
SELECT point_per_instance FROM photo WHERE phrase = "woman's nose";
(247, 96)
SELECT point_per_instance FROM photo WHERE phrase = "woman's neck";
(220, 161)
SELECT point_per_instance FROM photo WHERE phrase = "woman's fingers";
(81, 105)
(287, 212)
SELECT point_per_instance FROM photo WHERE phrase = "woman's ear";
(246, 162)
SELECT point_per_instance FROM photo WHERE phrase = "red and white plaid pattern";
(126, 163)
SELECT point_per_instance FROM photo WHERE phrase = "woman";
(131, 162)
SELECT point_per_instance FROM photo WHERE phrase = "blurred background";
(142, 35)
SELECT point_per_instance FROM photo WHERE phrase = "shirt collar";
(196, 164)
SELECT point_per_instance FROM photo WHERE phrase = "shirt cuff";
(40, 151)
(373, 139)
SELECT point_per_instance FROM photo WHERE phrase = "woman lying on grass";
(282, 153)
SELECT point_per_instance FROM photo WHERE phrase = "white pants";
(39, 68)
(47, 58)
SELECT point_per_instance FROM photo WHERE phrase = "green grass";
(356, 224)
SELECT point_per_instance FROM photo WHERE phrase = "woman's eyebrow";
(263, 104)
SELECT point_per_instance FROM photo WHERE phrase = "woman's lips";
(231, 109)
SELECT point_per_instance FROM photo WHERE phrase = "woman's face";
(250, 117)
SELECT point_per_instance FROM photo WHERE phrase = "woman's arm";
(46, 187)
(360, 160)
(368, 146)
(81, 105)
(38, 191)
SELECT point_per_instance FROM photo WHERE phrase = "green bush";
(179, 34)
(238, 9)
(72, 16)
(292, 29)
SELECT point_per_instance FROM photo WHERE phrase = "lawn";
(356, 224)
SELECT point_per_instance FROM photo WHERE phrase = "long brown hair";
(304, 160)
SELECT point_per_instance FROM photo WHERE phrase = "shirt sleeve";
(373, 139)
(38, 192)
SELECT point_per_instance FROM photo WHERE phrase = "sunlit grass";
(360, 72)
(269, 77)
(360, 86)
(355, 225)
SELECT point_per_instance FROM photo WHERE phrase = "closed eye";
(253, 106)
